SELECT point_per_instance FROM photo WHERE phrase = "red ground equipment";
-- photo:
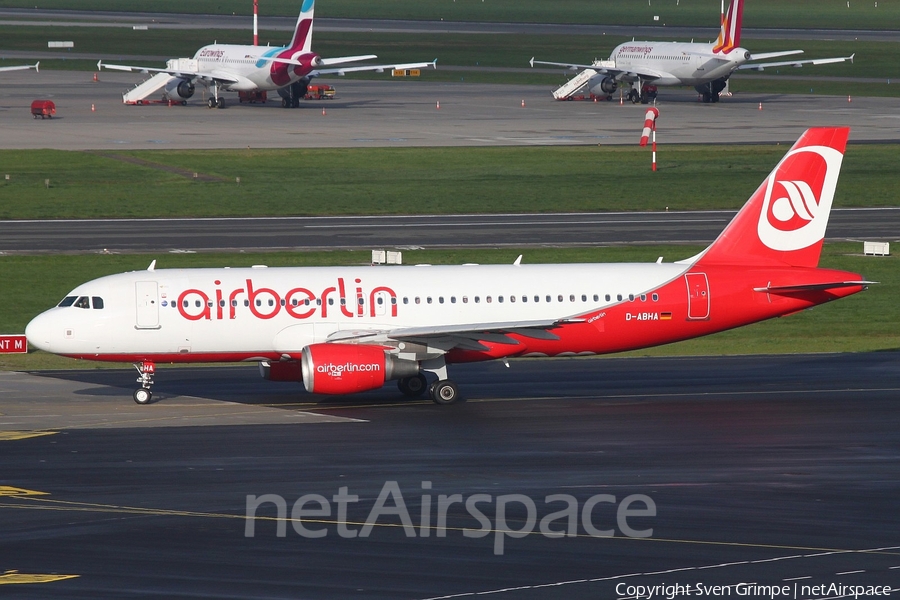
(45, 109)
(251, 97)
(320, 92)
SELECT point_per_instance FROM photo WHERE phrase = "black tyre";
(444, 392)
(143, 396)
(413, 386)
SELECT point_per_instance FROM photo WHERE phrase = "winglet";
(37, 67)
(531, 62)
(518, 261)
(851, 57)
(100, 64)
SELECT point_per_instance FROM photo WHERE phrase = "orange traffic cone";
(848, 99)
(323, 111)
(93, 109)
(523, 102)
(760, 106)
(438, 104)
(95, 78)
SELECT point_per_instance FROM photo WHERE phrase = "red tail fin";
(784, 220)
(730, 34)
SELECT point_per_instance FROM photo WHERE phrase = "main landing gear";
(443, 391)
(146, 369)
(215, 101)
(413, 386)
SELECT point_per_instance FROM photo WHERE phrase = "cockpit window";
(83, 302)
(97, 301)
(67, 301)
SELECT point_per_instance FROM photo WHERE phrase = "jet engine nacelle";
(180, 88)
(604, 87)
(350, 368)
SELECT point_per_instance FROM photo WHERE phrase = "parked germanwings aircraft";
(342, 330)
(22, 67)
(287, 69)
(707, 67)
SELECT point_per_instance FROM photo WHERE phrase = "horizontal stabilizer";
(796, 63)
(811, 287)
(768, 55)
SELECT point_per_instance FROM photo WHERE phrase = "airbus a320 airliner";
(342, 330)
(287, 69)
(707, 67)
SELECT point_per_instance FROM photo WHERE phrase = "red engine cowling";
(350, 368)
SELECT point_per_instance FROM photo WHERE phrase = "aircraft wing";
(796, 63)
(467, 336)
(209, 76)
(619, 74)
(379, 68)
(22, 67)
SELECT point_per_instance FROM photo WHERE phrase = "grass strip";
(372, 181)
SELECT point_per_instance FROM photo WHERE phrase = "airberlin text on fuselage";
(299, 302)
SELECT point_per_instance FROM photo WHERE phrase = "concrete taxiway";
(427, 231)
(769, 470)
(391, 113)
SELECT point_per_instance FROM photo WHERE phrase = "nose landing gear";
(146, 369)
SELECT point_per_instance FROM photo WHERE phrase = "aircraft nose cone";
(38, 332)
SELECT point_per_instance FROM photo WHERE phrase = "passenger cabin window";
(68, 301)
(83, 302)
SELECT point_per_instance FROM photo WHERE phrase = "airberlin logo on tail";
(798, 198)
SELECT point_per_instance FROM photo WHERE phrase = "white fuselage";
(244, 64)
(252, 313)
(677, 63)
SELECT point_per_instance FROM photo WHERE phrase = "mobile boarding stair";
(574, 85)
(143, 90)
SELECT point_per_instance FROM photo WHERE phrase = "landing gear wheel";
(211, 103)
(220, 103)
(143, 396)
(413, 386)
(634, 96)
(285, 103)
(444, 392)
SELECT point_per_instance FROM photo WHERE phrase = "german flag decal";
(666, 316)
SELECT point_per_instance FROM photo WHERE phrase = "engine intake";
(349, 368)
(180, 88)
(605, 87)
